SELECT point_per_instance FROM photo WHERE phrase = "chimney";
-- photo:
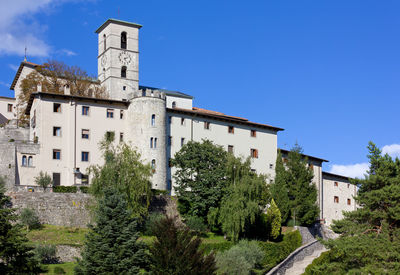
(67, 90)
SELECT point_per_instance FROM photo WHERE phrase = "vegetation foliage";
(274, 220)
(29, 219)
(43, 180)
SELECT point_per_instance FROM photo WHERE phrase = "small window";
(124, 88)
(123, 40)
(174, 104)
(110, 113)
(85, 110)
(253, 133)
(56, 154)
(170, 140)
(24, 162)
(153, 120)
(104, 43)
(84, 179)
(57, 131)
(123, 72)
(348, 201)
(335, 184)
(85, 156)
(155, 142)
(9, 108)
(182, 121)
(121, 114)
(30, 161)
(348, 185)
(271, 166)
(153, 165)
(336, 199)
(206, 125)
(56, 107)
(182, 141)
(230, 149)
(151, 142)
(121, 137)
(231, 129)
(56, 179)
(85, 133)
(253, 170)
(254, 153)
(143, 93)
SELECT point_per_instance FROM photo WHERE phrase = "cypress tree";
(112, 246)
(274, 220)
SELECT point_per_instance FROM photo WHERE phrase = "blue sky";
(326, 71)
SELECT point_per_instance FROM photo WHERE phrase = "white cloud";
(352, 170)
(67, 52)
(4, 84)
(13, 67)
(392, 150)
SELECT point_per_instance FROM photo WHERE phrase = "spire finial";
(25, 53)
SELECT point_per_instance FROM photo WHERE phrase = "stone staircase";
(299, 267)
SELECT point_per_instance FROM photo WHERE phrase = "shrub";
(216, 247)
(46, 254)
(240, 259)
(151, 222)
(59, 270)
(29, 218)
(84, 189)
(196, 224)
(11, 140)
(312, 268)
(43, 180)
(65, 189)
(156, 192)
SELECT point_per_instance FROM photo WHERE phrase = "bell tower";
(118, 58)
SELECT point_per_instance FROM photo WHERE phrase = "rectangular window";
(151, 142)
(121, 137)
(56, 154)
(9, 107)
(170, 140)
(85, 133)
(254, 153)
(182, 121)
(271, 166)
(348, 201)
(206, 125)
(335, 184)
(56, 179)
(110, 113)
(336, 199)
(253, 133)
(182, 141)
(231, 129)
(348, 185)
(85, 110)
(121, 114)
(85, 156)
(84, 179)
(56, 107)
(230, 149)
(57, 131)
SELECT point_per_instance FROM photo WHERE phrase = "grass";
(58, 235)
(68, 267)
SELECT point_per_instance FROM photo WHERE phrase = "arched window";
(155, 142)
(104, 42)
(153, 165)
(23, 160)
(151, 142)
(174, 104)
(153, 120)
(30, 161)
(123, 40)
(123, 72)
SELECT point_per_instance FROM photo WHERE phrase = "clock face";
(104, 60)
(125, 58)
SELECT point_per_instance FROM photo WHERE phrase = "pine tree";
(274, 220)
(176, 251)
(112, 246)
(370, 236)
(16, 256)
(279, 189)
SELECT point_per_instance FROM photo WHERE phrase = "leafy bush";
(217, 247)
(312, 268)
(29, 218)
(156, 192)
(43, 180)
(240, 259)
(65, 189)
(196, 224)
(151, 222)
(59, 270)
(46, 254)
(84, 189)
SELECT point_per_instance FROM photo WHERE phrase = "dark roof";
(168, 92)
(116, 21)
(21, 66)
(310, 157)
(80, 98)
(220, 116)
(335, 175)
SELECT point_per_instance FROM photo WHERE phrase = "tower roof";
(119, 22)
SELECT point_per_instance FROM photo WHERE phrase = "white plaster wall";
(17, 89)
(4, 107)
(344, 190)
(181, 102)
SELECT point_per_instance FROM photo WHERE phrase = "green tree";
(176, 251)
(43, 180)
(16, 256)
(274, 220)
(302, 191)
(244, 198)
(199, 177)
(370, 236)
(112, 246)
(123, 170)
(279, 189)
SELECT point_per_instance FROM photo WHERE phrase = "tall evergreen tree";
(112, 246)
(279, 189)
(176, 251)
(274, 220)
(370, 236)
(16, 256)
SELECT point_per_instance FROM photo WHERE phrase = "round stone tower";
(147, 131)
